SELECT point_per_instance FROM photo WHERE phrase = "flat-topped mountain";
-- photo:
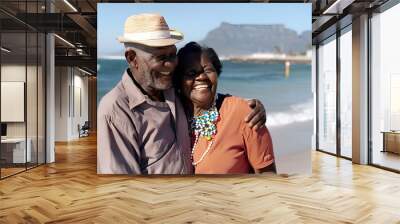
(244, 39)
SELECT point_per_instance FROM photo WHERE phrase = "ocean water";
(282, 96)
(288, 101)
(109, 73)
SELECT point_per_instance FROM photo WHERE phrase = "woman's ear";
(131, 58)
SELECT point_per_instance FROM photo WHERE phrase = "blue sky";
(195, 20)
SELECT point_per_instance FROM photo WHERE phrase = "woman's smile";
(202, 87)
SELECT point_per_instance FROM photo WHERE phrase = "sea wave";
(297, 113)
(253, 77)
(112, 57)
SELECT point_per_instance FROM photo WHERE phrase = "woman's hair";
(194, 48)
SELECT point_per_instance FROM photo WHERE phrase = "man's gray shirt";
(136, 135)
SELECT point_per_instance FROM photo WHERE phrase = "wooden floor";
(10, 171)
(70, 191)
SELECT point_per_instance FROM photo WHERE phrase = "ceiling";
(74, 22)
(331, 15)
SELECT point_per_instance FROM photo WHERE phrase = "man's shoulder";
(113, 101)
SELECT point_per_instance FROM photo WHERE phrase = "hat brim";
(175, 38)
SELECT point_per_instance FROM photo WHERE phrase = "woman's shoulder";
(235, 104)
(233, 100)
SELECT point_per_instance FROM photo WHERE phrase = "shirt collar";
(136, 97)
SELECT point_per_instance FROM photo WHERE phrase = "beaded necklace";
(204, 125)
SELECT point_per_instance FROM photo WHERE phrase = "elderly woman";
(222, 143)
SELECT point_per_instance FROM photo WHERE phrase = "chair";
(84, 130)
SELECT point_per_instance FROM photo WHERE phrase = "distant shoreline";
(262, 58)
(270, 58)
(267, 61)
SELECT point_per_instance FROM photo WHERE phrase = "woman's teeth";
(201, 87)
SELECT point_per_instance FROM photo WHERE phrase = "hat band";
(153, 35)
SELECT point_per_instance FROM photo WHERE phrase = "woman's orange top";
(236, 147)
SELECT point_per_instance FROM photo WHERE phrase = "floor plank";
(70, 191)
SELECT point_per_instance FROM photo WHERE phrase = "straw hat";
(150, 30)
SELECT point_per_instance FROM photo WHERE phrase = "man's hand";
(257, 117)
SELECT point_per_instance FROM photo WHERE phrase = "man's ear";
(131, 58)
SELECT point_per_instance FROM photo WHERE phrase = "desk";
(391, 141)
(13, 150)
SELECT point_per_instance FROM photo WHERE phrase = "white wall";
(33, 126)
(69, 82)
(62, 81)
(17, 73)
(80, 83)
(14, 73)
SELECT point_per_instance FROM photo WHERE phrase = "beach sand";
(293, 157)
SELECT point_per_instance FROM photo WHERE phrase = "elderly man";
(142, 127)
